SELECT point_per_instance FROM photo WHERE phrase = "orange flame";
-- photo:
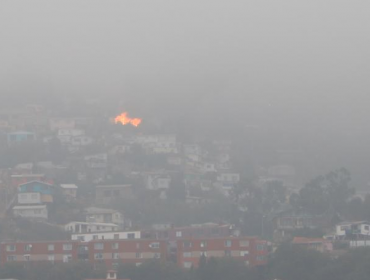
(125, 119)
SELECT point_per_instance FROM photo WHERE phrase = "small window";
(260, 247)
(51, 258)
(67, 247)
(27, 247)
(131, 236)
(138, 255)
(154, 245)
(98, 256)
(203, 254)
(187, 265)
(26, 258)
(67, 258)
(10, 248)
(115, 256)
(115, 246)
(260, 258)
(51, 247)
(367, 227)
(244, 243)
(228, 243)
(244, 253)
(157, 256)
(178, 234)
(99, 246)
(187, 244)
(95, 237)
(186, 254)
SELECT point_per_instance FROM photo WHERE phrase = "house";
(44, 189)
(66, 135)
(110, 193)
(318, 244)
(96, 161)
(32, 212)
(69, 190)
(56, 124)
(18, 137)
(115, 235)
(29, 198)
(85, 227)
(158, 144)
(99, 215)
(157, 181)
(249, 250)
(353, 230)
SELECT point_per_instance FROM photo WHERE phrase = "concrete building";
(101, 215)
(69, 190)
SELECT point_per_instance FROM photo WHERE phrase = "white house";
(100, 215)
(158, 144)
(34, 212)
(86, 237)
(85, 227)
(348, 229)
(157, 181)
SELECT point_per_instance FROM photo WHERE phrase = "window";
(26, 257)
(99, 246)
(178, 234)
(187, 244)
(156, 255)
(51, 258)
(67, 258)
(67, 247)
(203, 244)
(228, 243)
(81, 238)
(154, 245)
(227, 253)
(116, 236)
(27, 247)
(260, 258)
(203, 254)
(244, 253)
(98, 256)
(138, 255)
(366, 227)
(115, 246)
(187, 265)
(51, 247)
(260, 247)
(10, 248)
(95, 237)
(115, 256)
(244, 243)
(11, 258)
(131, 236)
(186, 254)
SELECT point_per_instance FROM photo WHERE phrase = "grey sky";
(299, 68)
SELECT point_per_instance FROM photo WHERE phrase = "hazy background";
(296, 70)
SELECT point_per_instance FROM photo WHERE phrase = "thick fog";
(296, 70)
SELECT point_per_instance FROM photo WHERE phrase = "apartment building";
(110, 252)
(249, 250)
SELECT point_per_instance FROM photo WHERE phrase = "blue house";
(46, 190)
